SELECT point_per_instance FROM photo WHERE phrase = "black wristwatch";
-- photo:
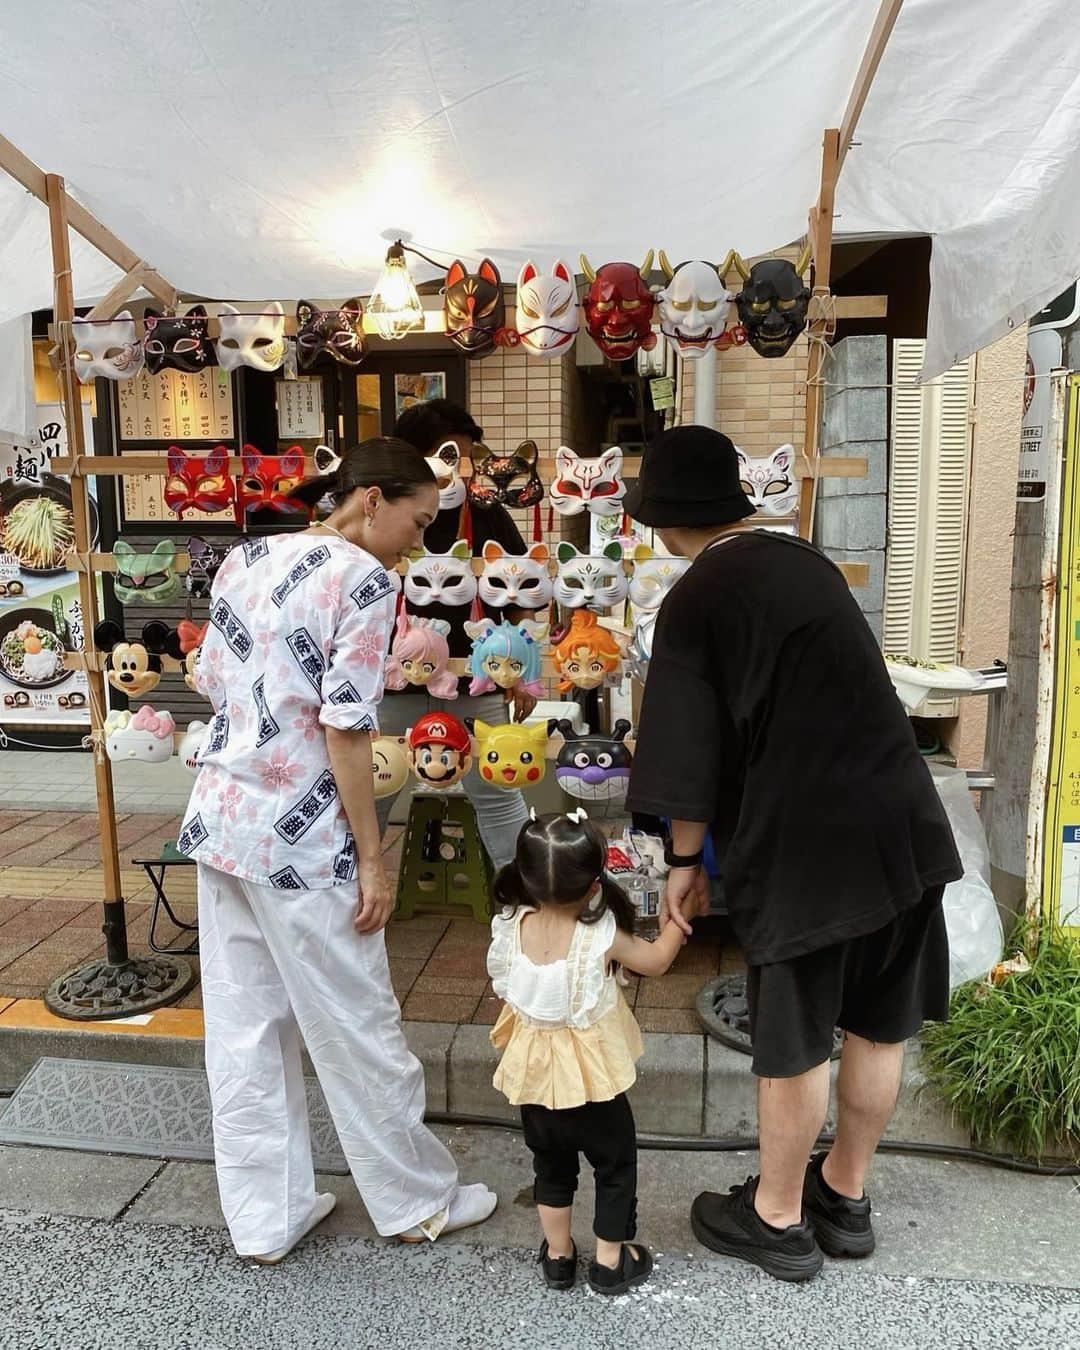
(682, 859)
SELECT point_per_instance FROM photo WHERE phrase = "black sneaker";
(560, 1272)
(631, 1270)
(842, 1226)
(730, 1224)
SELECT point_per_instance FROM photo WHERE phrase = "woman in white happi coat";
(293, 898)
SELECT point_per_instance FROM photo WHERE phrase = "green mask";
(146, 578)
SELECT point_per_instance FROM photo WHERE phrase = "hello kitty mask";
(509, 580)
(548, 317)
(595, 485)
(112, 349)
(694, 306)
(442, 578)
(768, 481)
(191, 744)
(590, 582)
(256, 340)
(444, 464)
(146, 735)
(653, 578)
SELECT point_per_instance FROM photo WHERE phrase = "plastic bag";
(971, 915)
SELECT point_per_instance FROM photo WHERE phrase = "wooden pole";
(114, 928)
(821, 219)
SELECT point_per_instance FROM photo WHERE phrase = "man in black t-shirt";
(769, 719)
(499, 814)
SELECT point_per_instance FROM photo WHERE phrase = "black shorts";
(882, 987)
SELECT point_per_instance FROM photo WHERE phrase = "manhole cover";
(724, 1012)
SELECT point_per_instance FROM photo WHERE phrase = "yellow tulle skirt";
(566, 1066)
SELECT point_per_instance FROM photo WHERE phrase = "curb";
(688, 1085)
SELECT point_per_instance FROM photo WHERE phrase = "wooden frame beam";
(34, 180)
(887, 15)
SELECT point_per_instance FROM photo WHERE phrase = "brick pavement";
(50, 920)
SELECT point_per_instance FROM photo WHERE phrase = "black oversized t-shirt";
(493, 522)
(768, 712)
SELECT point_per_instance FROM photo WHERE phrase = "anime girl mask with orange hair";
(587, 654)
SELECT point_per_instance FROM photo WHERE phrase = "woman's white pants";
(278, 966)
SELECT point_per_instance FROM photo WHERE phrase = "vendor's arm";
(350, 760)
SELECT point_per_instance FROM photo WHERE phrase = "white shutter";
(929, 476)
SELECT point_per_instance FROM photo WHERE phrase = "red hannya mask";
(619, 307)
(268, 480)
(199, 482)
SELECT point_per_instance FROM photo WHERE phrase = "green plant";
(1008, 1059)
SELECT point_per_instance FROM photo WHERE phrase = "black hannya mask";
(473, 307)
(773, 305)
(337, 333)
(204, 561)
(494, 474)
(178, 341)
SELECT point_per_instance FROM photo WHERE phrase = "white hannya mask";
(444, 464)
(694, 306)
(586, 581)
(595, 485)
(653, 578)
(547, 310)
(256, 340)
(768, 481)
(508, 580)
(110, 349)
(441, 578)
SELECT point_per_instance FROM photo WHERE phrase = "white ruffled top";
(575, 991)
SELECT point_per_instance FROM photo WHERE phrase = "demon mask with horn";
(773, 302)
(619, 307)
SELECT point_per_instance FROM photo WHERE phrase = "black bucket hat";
(689, 476)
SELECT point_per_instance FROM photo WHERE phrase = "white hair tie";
(532, 814)
(577, 816)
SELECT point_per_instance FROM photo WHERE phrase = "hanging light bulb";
(395, 305)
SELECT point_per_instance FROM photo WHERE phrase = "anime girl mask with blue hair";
(505, 655)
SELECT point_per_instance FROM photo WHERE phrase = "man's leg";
(499, 814)
(791, 1112)
(867, 1089)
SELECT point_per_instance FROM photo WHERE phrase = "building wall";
(985, 628)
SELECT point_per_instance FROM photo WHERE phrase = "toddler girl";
(568, 1039)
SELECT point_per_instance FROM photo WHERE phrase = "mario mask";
(440, 750)
(511, 756)
(773, 303)
(694, 306)
(473, 308)
(548, 318)
(619, 307)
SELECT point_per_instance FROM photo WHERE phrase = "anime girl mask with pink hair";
(548, 318)
(420, 656)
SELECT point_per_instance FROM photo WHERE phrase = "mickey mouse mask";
(494, 476)
(773, 303)
(473, 307)
(178, 341)
(619, 307)
(112, 349)
(337, 333)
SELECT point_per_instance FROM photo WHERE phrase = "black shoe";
(560, 1272)
(730, 1224)
(630, 1270)
(842, 1226)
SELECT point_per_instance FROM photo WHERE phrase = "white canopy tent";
(267, 150)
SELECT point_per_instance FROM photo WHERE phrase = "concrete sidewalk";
(967, 1256)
